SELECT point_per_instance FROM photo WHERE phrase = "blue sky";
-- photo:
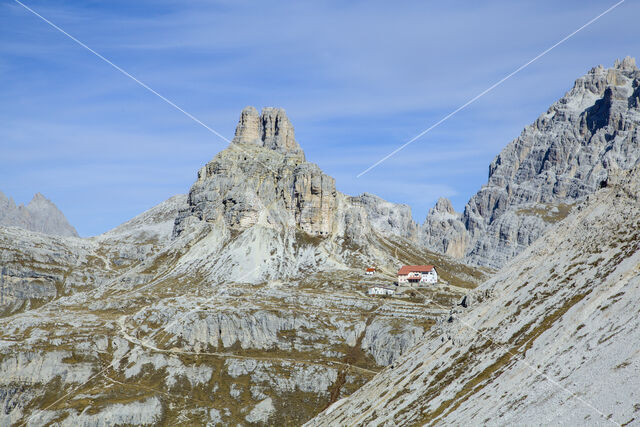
(357, 80)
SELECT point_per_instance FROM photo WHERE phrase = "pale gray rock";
(225, 327)
(147, 412)
(386, 217)
(39, 267)
(566, 154)
(270, 129)
(443, 230)
(174, 368)
(385, 344)
(41, 367)
(259, 205)
(546, 340)
(214, 417)
(261, 412)
(40, 215)
(240, 182)
(155, 224)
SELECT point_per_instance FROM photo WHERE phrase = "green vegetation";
(550, 213)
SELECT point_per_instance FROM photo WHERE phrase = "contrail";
(489, 89)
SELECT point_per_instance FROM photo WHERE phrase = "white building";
(370, 271)
(417, 274)
(381, 290)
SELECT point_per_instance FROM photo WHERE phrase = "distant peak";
(40, 215)
(39, 197)
(444, 205)
(270, 129)
(627, 64)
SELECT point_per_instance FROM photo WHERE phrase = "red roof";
(371, 269)
(406, 269)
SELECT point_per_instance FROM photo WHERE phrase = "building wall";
(430, 277)
(380, 291)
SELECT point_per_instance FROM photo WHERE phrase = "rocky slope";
(241, 303)
(548, 340)
(37, 268)
(566, 154)
(268, 214)
(39, 215)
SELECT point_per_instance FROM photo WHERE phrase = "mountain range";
(244, 301)
(565, 155)
(248, 294)
(40, 215)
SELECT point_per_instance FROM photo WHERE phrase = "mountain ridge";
(40, 215)
(248, 293)
(245, 301)
(564, 155)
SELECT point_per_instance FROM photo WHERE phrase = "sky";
(357, 79)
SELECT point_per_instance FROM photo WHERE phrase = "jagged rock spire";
(270, 129)
(40, 215)
(443, 205)
(627, 64)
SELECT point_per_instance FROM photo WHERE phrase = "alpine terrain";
(550, 339)
(243, 302)
(246, 302)
(566, 154)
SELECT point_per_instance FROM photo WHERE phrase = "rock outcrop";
(444, 230)
(39, 215)
(566, 154)
(386, 217)
(270, 129)
(275, 187)
(268, 204)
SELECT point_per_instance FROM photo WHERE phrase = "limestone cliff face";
(386, 217)
(247, 184)
(270, 129)
(445, 231)
(263, 178)
(566, 154)
(314, 199)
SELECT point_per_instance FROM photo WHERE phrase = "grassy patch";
(550, 213)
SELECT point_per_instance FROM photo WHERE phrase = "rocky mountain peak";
(258, 201)
(443, 205)
(265, 182)
(270, 129)
(39, 197)
(444, 231)
(627, 64)
(563, 156)
(40, 215)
